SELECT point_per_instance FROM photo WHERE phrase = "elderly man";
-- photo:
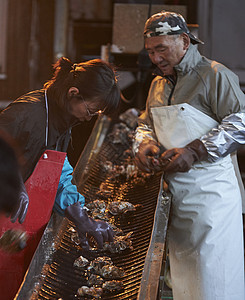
(194, 120)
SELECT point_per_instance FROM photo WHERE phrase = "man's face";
(167, 51)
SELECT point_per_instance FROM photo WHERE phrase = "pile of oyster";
(103, 276)
(126, 169)
(121, 137)
(98, 209)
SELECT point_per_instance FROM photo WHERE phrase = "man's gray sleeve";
(227, 138)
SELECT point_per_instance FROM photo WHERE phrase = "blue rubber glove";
(67, 193)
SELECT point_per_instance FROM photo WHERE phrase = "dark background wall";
(30, 31)
(40, 31)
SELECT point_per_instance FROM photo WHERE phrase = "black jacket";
(25, 120)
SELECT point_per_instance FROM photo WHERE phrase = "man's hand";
(144, 158)
(181, 159)
(100, 230)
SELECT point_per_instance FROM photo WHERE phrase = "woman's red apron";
(41, 188)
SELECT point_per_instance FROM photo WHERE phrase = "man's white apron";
(205, 232)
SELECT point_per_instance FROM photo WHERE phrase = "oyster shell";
(97, 205)
(95, 280)
(120, 243)
(120, 207)
(13, 240)
(120, 134)
(112, 286)
(90, 291)
(97, 210)
(104, 267)
(111, 272)
(97, 264)
(81, 262)
(74, 236)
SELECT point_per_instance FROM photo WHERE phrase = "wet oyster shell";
(112, 286)
(120, 243)
(81, 262)
(97, 264)
(111, 272)
(90, 291)
(95, 280)
(120, 207)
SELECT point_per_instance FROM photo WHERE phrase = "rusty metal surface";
(151, 280)
(56, 278)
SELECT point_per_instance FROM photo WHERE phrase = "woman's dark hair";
(9, 174)
(95, 80)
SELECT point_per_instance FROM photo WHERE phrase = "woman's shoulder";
(29, 104)
(36, 96)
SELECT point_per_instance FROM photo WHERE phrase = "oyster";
(130, 117)
(81, 262)
(120, 243)
(13, 240)
(90, 291)
(75, 238)
(98, 215)
(120, 134)
(97, 210)
(111, 272)
(114, 170)
(97, 264)
(131, 170)
(107, 165)
(112, 286)
(127, 169)
(97, 205)
(104, 267)
(120, 207)
(74, 235)
(95, 280)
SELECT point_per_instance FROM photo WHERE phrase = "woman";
(43, 119)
